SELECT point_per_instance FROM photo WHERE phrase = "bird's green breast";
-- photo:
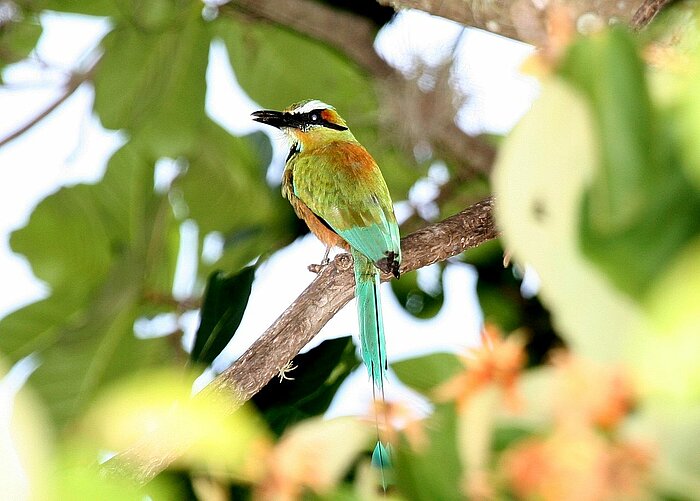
(341, 183)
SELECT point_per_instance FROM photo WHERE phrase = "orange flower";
(577, 464)
(497, 361)
(598, 395)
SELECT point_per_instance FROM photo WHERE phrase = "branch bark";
(524, 20)
(646, 12)
(305, 317)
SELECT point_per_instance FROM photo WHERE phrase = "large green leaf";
(225, 301)
(70, 216)
(308, 388)
(152, 82)
(639, 198)
(278, 67)
(97, 247)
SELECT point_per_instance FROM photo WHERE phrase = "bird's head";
(307, 122)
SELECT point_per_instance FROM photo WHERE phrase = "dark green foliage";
(309, 387)
(225, 301)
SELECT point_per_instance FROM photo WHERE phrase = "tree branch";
(646, 12)
(305, 317)
(74, 82)
(523, 20)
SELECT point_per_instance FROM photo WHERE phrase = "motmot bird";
(336, 187)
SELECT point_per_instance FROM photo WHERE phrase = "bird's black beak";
(277, 119)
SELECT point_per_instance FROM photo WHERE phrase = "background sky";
(70, 146)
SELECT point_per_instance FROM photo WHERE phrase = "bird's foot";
(316, 268)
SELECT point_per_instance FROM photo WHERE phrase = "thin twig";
(73, 83)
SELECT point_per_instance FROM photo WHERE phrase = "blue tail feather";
(372, 342)
(369, 312)
(381, 458)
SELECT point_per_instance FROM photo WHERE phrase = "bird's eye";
(314, 117)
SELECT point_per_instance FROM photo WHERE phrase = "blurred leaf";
(91, 8)
(224, 190)
(683, 79)
(539, 185)
(309, 388)
(609, 72)
(639, 197)
(316, 453)
(260, 54)
(224, 185)
(26, 444)
(424, 374)
(225, 301)
(97, 247)
(674, 299)
(78, 476)
(435, 471)
(54, 241)
(152, 83)
(157, 411)
(418, 302)
(17, 39)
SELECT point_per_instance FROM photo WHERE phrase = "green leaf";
(69, 217)
(418, 302)
(225, 301)
(152, 83)
(261, 55)
(98, 247)
(18, 39)
(424, 374)
(434, 472)
(224, 190)
(91, 8)
(309, 387)
(639, 197)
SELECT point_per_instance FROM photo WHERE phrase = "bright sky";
(70, 147)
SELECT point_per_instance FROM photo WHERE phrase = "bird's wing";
(342, 184)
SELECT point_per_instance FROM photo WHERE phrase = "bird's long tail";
(373, 345)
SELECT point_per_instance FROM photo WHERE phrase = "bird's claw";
(316, 268)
